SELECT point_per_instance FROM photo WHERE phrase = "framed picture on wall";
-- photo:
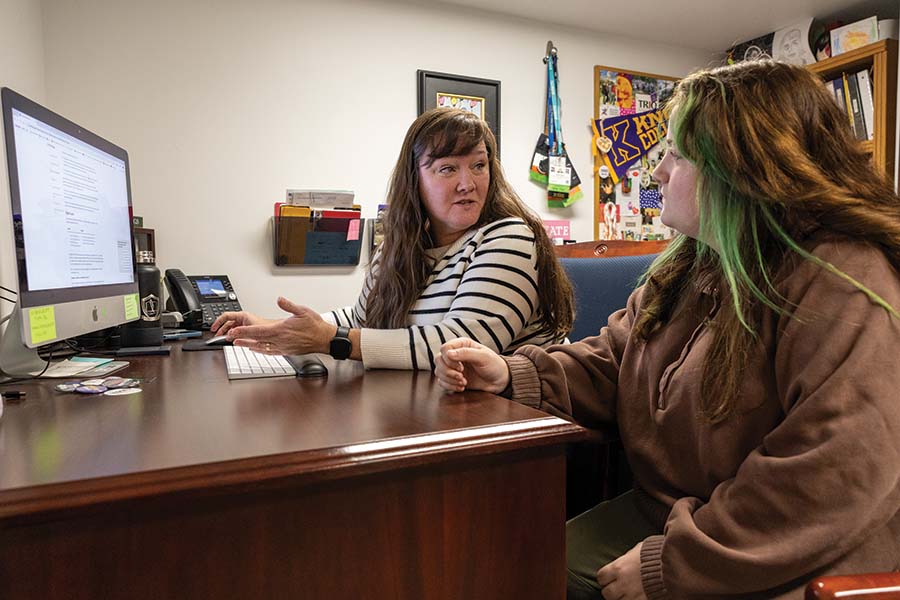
(478, 96)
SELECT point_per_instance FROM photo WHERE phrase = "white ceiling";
(712, 25)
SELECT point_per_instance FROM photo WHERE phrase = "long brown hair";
(403, 264)
(776, 159)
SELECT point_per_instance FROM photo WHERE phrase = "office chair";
(597, 469)
(602, 286)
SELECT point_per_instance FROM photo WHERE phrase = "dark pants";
(599, 536)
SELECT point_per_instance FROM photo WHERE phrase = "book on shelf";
(837, 89)
(855, 107)
(866, 101)
(845, 88)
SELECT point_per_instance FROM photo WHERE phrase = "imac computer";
(70, 196)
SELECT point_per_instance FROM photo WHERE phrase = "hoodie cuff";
(651, 568)
(526, 386)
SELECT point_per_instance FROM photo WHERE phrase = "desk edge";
(312, 465)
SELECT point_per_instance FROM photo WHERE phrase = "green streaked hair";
(775, 159)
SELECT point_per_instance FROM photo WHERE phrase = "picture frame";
(473, 94)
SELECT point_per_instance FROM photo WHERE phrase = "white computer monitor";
(70, 196)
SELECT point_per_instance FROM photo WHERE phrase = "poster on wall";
(755, 49)
(629, 135)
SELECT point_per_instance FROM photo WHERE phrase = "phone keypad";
(212, 310)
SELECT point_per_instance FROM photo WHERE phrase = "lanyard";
(550, 164)
(553, 117)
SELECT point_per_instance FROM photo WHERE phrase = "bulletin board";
(628, 209)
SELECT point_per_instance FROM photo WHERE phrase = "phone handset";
(183, 295)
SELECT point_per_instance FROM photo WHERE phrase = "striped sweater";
(483, 286)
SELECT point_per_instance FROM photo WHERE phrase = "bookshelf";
(881, 58)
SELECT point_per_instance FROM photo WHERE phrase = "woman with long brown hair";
(753, 378)
(461, 257)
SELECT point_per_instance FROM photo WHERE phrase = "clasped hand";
(303, 332)
(464, 363)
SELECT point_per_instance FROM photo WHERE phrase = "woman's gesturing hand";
(228, 320)
(301, 333)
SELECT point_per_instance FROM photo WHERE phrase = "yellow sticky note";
(131, 307)
(42, 322)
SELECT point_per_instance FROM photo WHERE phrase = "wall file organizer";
(322, 238)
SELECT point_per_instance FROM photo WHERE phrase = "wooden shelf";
(860, 57)
(881, 58)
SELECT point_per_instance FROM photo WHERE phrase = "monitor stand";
(17, 359)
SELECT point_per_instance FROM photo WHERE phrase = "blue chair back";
(602, 286)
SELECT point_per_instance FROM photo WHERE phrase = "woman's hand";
(301, 333)
(464, 363)
(621, 579)
(227, 320)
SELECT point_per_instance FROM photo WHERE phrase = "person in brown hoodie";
(754, 376)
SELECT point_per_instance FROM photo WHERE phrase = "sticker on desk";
(119, 382)
(42, 324)
(122, 391)
(353, 230)
(132, 311)
(90, 389)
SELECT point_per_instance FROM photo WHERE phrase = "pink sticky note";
(353, 230)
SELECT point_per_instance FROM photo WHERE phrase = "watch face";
(340, 345)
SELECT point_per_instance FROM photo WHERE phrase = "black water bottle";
(147, 330)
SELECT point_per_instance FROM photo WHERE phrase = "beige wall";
(22, 69)
(224, 104)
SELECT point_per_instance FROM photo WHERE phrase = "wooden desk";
(358, 486)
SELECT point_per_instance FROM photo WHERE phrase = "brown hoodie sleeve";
(576, 381)
(824, 482)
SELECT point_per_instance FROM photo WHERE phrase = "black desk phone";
(211, 295)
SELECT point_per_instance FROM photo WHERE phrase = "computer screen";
(70, 196)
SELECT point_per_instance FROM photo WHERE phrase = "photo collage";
(627, 204)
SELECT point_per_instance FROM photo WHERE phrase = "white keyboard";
(243, 363)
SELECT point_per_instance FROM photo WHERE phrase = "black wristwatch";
(340, 344)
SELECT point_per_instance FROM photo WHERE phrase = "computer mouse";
(310, 367)
(219, 340)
